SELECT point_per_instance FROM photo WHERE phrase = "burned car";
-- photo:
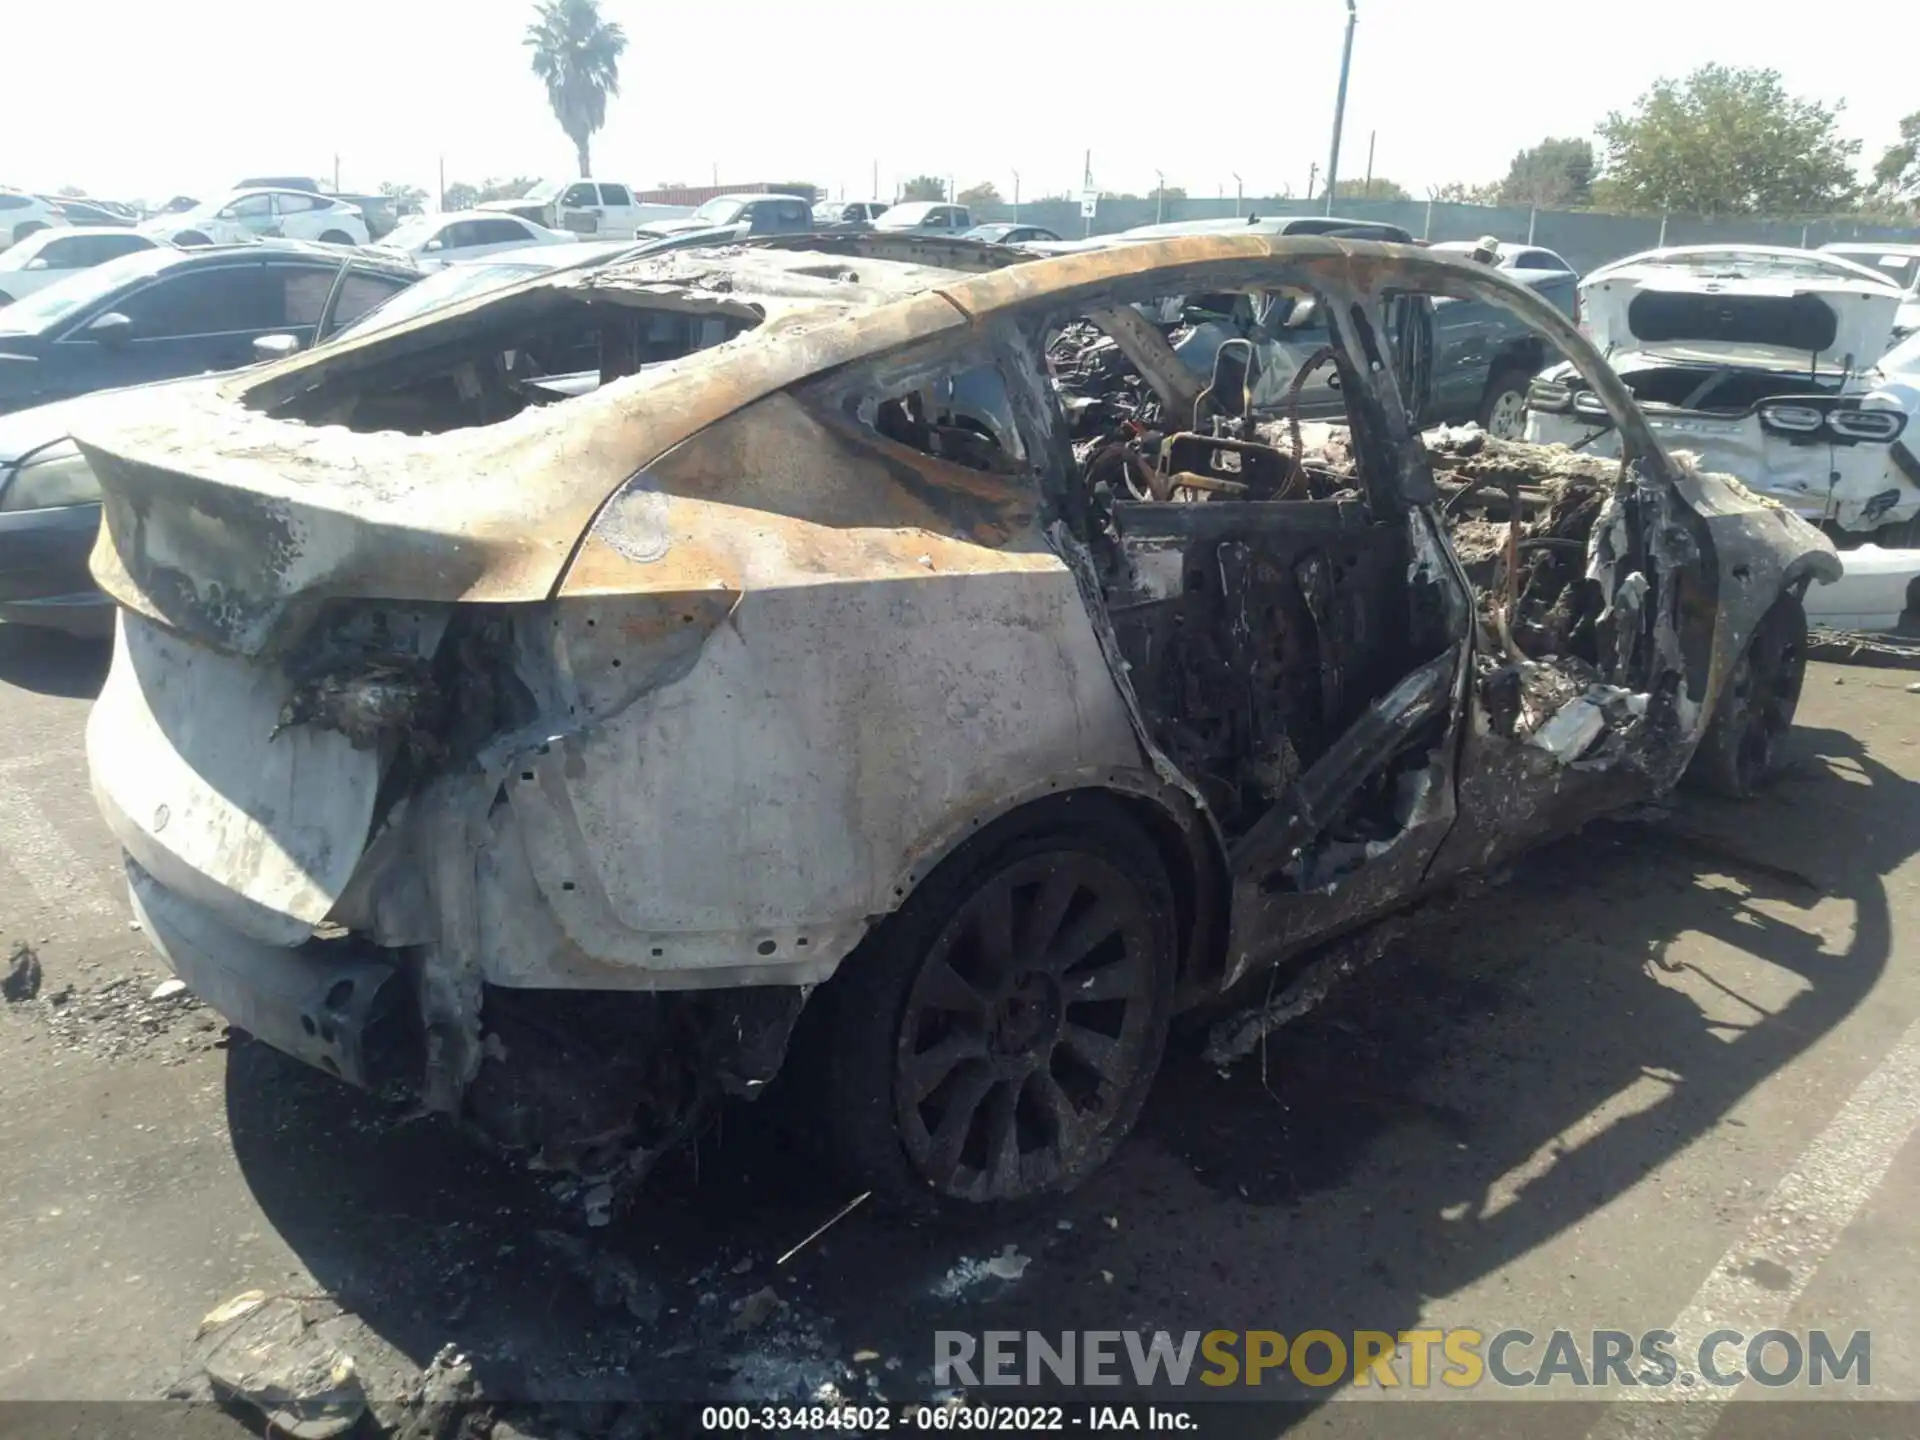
(576, 763)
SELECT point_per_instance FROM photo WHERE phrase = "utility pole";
(1239, 193)
(1368, 192)
(875, 192)
(442, 206)
(716, 174)
(1340, 107)
(953, 195)
(336, 174)
(1313, 172)
(1016, 197)
(1086, 184)
(1160, 197)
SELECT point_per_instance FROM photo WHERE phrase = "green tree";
(924, 187)
(71, 192)
(1459, 192)
(1554, 173)
(1897, 175)
(403, 194)
(1729, 142)
(1380, 188)
(980, 196)
(460, 196)
(576, 54)
(504, 189)
(1167, 192)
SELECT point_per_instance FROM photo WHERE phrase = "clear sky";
(134, 100)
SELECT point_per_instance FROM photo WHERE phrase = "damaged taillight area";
(332, 844)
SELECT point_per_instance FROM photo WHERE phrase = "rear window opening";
(1722, 390)
(1786, 322)
(530, 349)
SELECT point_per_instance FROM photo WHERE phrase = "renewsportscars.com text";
(1457, 1359)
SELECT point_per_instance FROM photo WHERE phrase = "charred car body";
(570, 761)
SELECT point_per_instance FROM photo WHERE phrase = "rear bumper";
(1857, 487)
(327, 1002)
(44, 578)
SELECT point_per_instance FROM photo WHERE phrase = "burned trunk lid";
(209, 794)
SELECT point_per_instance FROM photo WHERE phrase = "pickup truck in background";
(1484, 357)
(592, 208)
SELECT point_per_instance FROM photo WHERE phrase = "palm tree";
(576, 54)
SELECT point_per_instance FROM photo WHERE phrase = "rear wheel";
(191, 238)
(1503, 409)
(1741, 750)
(993, 1041)
(336, 237)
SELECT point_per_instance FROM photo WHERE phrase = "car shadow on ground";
(51, 662)
(1507, 1072)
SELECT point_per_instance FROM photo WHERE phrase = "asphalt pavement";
(1665, 1078)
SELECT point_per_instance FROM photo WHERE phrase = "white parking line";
(34, 849)
(1791, 1235)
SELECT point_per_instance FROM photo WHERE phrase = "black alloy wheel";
(994, 1040)
(1740, 751)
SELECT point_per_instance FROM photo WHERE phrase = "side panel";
(829, 740)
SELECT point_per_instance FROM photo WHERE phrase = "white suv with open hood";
(1762, 362)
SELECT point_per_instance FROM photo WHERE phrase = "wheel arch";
(1183, 836)
(1527, 352)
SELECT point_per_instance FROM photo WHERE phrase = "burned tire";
(190, 238)
(992, 1042)
(1503, 408)
(1741, 750)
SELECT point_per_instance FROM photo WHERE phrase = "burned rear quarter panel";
(890, 656)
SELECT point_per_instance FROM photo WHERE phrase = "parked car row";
(187, 312)
(22, 214)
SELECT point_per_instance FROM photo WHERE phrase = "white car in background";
(434, 240)
(22, 214)
(591, 209)
(262, 214)
(1764, 362)
(1900, 263)
(49, 255)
